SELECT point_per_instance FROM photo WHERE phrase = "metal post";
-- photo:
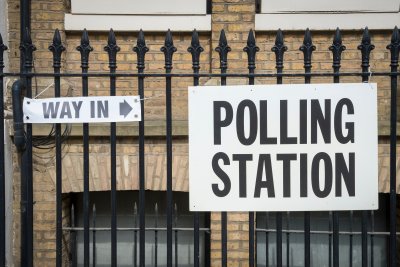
(251, 49)
(141, 50)
(57, 48)
(27, 49)
(366, 47)
(337, 48)
(394, 63)
(112, 49)
(307, 48)
(223, 50)
(85, 49)
(195, 49)
(169, 49)
(279, 48)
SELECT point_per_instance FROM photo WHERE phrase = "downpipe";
(19, 137)
(18, 89)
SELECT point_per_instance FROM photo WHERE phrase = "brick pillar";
(46, 16)
(236, 17)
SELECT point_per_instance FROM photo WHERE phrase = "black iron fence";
(24, 141)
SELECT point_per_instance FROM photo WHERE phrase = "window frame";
(342, 15)
(123, 15)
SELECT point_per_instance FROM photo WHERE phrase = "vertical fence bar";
(169, 49)
(27, 49)
(112, 49)
(366, 47)
(372, 237)
(84, 48)
(279, 48)
(26, 63)
(156, 236)
(135, 235)
(94, 236)
(351, 240)
(287, 238)
(266, 239)
(251, 49)
(141, 50)
(72, 242)
(307, 48)
(337, 48)
(223, 50)
(330, 239)
(57, 48)
(394, 48)
(2, 163)
(195, 49)
(176, 233)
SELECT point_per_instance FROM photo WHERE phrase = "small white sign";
(82, 109)
(283, 147)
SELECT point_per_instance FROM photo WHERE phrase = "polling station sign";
(82, 109)
(283, 147)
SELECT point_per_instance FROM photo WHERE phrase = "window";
(321, 223)
(149, 15)
(128, 218)
(325, 14)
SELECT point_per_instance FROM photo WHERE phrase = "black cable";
(48, 141)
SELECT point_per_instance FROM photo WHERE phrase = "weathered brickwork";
(236, 17)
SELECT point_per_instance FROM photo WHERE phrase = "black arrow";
(124, 108)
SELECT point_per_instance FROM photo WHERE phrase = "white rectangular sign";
(283, 147)
(82, 109)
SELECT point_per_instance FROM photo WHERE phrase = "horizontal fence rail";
(111, 48)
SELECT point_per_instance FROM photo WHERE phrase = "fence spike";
(169, 49)
(3, 48)
(85, 49)
(1, 40)
(57, 48)
(279, 48)
(223, 50)
(365, 47)
(27, 49)
(112, 49)
(251, 49)
(195, 49)
(141, 49)
(337, 48)
(307, 48)
(395, 35)
(394, 48)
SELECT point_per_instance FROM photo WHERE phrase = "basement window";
(327, 15)
(321, 240)
(128, 238)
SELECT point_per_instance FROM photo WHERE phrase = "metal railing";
(27, 49)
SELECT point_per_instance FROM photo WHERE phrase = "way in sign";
(82, 109)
